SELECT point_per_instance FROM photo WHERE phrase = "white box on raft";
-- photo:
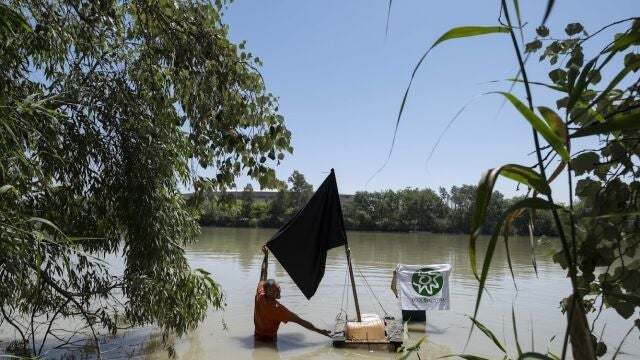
(370, 328)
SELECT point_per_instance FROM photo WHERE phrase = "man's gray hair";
(269, 283)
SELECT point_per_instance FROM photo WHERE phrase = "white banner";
(423, 287)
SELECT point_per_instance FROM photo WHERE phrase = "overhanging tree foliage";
(106, 108)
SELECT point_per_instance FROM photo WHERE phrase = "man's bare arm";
(307, 325)
(265, 263)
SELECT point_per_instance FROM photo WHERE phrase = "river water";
(233, 257)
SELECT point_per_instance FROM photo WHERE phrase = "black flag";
(301, 244)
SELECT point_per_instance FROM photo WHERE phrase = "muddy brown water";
(233, 257)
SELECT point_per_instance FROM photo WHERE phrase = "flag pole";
(353, 284)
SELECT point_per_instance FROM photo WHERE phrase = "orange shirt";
(267, 315)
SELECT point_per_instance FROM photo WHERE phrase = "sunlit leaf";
(5, 188)
(45, 222)
(538, 125)
(554, 121)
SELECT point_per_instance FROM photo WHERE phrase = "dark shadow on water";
(263, 350)
(272, 350)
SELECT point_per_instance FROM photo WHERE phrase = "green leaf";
(632, 65)
(516, 7)
(580, 84)
(45, 222)
(625, 309)
(533, 355)
(467, 357)
(488, 333)
(594, 76)
(632, 299)
(552, 87)
(526, 176)
(515, 330)
(533, 46)
(467, 31)
(547, 12)
(455, 33)
(12, 18)
(630, 58)
(630, 121)
(554, 121)
(527, 203)
(410, 350)
(624, 41)
(584, 162)
(515, 172)
(542, 31)
(558, 76)
(573, 28)
(386, 29)
(6, 188)
(539, 125)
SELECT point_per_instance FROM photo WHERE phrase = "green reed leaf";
(519, 173)
(632, 66)
(580, 84)
(533, 355)
(45, 222)
(516, 7)
(624, 41)
(620, 122)
(5, 188)
(528, 203)
(467, 31)
(488, 333)
(538, 125)
(386, 30)
(547, 12)
(455, 33)
(552, 87)
(515, 330)
(554, 121)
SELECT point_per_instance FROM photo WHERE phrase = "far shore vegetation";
(406, 210)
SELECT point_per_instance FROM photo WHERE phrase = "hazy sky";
(340, 84)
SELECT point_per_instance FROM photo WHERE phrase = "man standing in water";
(268, 313)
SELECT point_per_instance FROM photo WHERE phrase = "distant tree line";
(422, 210)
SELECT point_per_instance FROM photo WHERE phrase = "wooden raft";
(393, 333)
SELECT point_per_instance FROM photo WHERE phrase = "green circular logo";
(427, 281)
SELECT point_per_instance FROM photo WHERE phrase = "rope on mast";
(371, 290)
